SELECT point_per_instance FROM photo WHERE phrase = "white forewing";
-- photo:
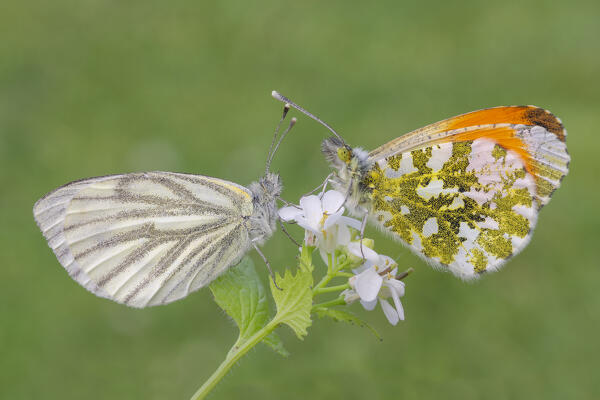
(149, 238)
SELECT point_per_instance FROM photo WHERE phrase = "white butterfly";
(151, 238)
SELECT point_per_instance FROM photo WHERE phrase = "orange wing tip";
(544, 118)
(514, 115)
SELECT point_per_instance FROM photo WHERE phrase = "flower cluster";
(373, 278)
(323, 220)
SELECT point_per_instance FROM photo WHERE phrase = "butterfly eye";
(345, 154)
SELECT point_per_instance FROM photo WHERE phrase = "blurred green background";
(98, 87)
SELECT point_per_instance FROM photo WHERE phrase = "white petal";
(398, 304)
(289, 213)
(400, 312)
(324, 256)
(370, 255)
(311, 205)
(303, 222)
(327, 240)
(333, 219)
(389, 312)
(351, 222)
(332, 201)
(366, 265)
(369, 305)
(396, 285)
(343, 235)
(368, 284)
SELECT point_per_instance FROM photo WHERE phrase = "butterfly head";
(343, 157)
(269, 186)
(336, 152)
(344, 153)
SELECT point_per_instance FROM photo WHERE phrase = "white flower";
(375, 281)
(323, 218)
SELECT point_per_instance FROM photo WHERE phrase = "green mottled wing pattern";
(464, 206)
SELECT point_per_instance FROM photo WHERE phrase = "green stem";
(232, 357)
(330, 289)
(324, 281)
(332, 272)
(240, 349)
(335, 302)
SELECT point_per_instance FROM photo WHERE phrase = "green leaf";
(305, 259)
(241, 294)
(294, 298)
(275, 343)
(344, 316)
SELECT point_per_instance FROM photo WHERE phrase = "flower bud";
(310, 238)
(350, 295)
(367, 242)
(354, 259)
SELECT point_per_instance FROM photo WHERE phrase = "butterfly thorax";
(352, 168)
(263, 220)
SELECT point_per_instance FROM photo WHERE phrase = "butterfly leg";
(362, 234)
(325, 183)
(322, 185)
(287, 233)
(287, 203)
(260, 253)
(346, 197)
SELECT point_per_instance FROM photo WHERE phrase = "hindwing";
(468, 198)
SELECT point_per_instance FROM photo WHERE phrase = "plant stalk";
(335, 302)
(329, 289)
(232, 357)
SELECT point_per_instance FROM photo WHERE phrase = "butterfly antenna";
(289, 128)
(286, 108)
(278, 96)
